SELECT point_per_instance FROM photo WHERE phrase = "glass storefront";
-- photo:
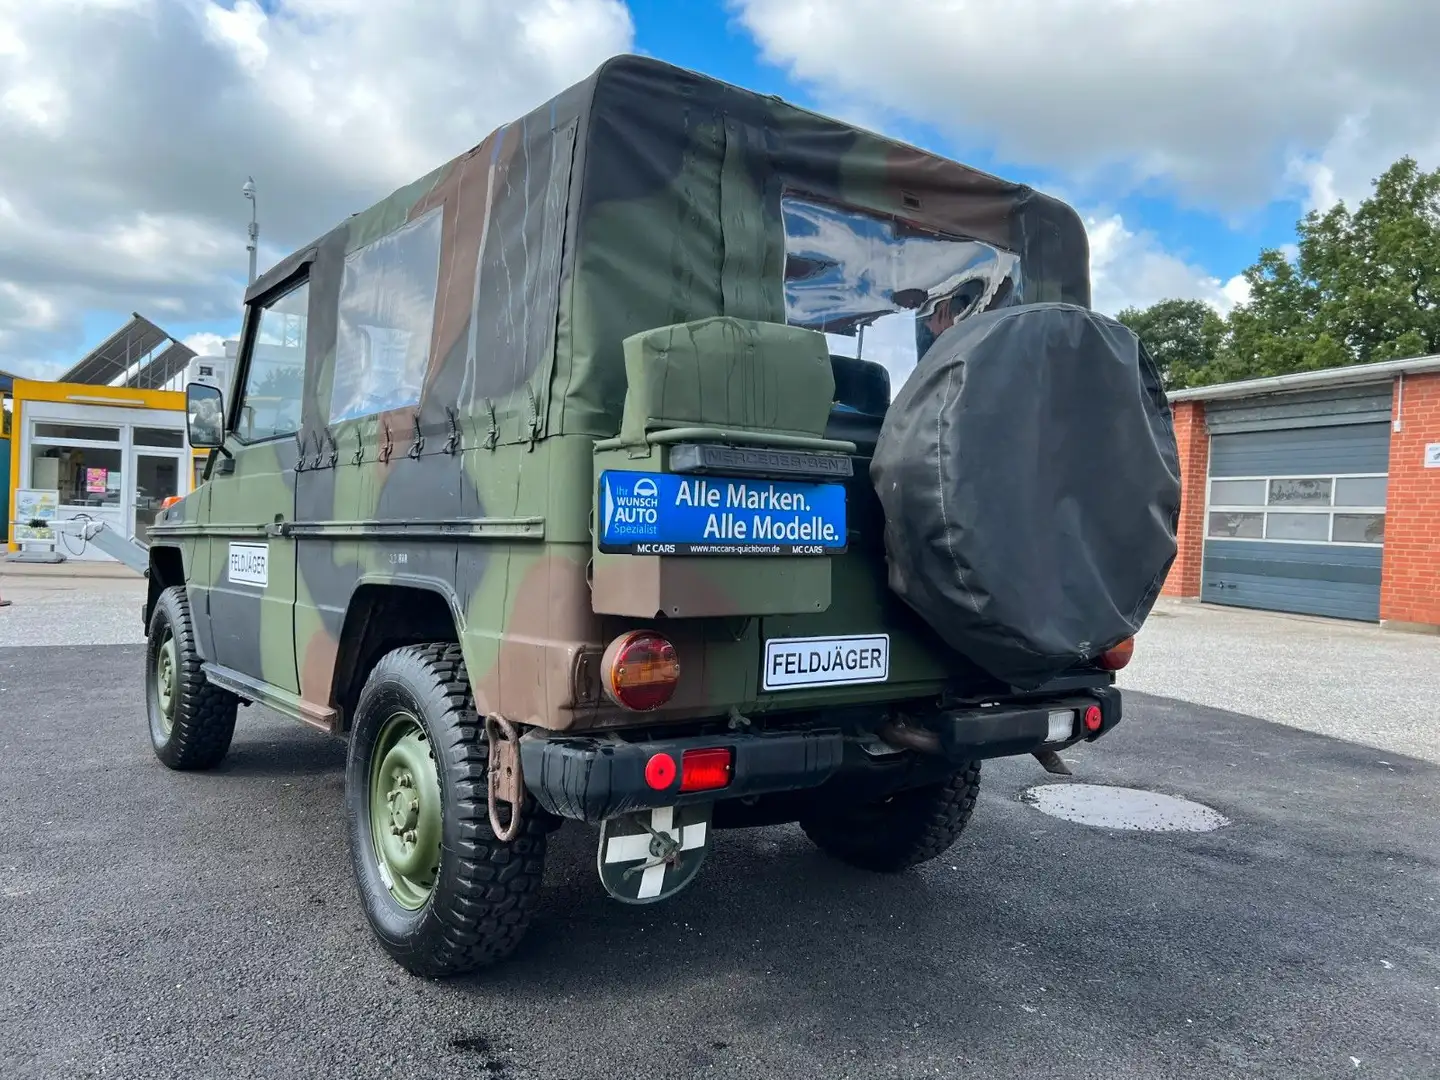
(157, 477)
(86, 477)
(105, 466)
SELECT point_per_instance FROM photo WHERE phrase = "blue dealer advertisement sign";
(667, 514)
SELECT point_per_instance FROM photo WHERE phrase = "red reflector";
(1093, 718)
(704, 770)
(660, 771)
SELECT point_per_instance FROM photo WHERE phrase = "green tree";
(1183, 337)
(1364, 286)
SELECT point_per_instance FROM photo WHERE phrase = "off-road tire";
(480, 904)
(904, 830)
(203, 721)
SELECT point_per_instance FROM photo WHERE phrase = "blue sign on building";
(669, 514)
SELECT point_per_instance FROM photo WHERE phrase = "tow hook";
(505, 782)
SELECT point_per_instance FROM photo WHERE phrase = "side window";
(386, 316)
(275, 381)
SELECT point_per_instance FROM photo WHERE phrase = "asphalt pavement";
(167, 925)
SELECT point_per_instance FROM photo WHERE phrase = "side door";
(252, 494)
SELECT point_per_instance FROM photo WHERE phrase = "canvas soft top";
(644, 196)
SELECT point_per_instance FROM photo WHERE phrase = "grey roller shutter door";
(1295, 505)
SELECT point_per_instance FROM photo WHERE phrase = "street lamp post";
(249, 192)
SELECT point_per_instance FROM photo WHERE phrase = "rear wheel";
(191, 720)
(908, 828)
(442, 894)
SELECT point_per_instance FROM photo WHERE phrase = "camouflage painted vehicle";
(551, 482)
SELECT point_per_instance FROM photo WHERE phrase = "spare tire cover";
(1031, 488)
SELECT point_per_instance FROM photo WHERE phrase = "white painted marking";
(651, 881)
(826, 661)
(636, 848)
(250, 564)
(630, 848)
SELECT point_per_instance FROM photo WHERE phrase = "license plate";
(644, 513)
(791, 663)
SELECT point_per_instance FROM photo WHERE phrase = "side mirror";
(204, 416)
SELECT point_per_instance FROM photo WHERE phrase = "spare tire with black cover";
(1031, 488)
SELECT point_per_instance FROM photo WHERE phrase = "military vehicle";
(566, 484)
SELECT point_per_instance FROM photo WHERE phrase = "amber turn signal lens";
(1116, 658)
(169, 501)
(640, 671)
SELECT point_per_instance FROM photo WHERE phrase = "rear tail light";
(704, 770)
(1116, 658)
(1094, 718)
(640, 670)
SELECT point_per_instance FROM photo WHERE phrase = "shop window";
(84, 432)
(1237, 492)
(159, 437)
(6, 408)
(275, 379)
(85, 476)
(157, 477)
(1360, 528)
(1361, 490)
(1242, 526)
(1297, 527)
(386, 318)
(1298, 509)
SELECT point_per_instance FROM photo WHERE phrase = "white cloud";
(1212, 99)
(128, 126)
(206, 344)
(1130, 268)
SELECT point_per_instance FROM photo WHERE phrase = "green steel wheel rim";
(166, 667)
(405, 811)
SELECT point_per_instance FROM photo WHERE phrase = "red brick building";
(1316, 493)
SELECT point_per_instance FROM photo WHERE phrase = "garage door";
(1295, 514)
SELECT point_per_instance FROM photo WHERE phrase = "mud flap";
(653, 854)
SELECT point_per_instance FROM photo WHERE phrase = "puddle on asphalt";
(1107, 807)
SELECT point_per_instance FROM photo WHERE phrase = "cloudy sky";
(1190, 133)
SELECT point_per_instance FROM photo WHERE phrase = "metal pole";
(251, 247)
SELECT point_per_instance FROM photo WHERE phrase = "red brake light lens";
(705, 770)
(640, 671)
(1116, 658)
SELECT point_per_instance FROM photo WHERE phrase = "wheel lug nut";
(410, 837)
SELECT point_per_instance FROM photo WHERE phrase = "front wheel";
(441, 892)
(909, 828)
(191, 720)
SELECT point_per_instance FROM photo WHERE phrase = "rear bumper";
(591, 778)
